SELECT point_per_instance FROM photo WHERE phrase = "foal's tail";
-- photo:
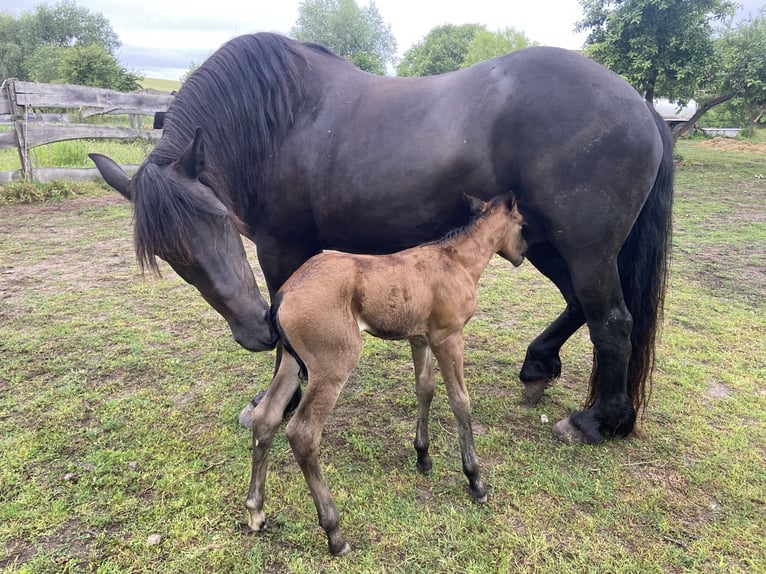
(644, 263)
(275, 304)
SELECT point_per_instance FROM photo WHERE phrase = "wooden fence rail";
(26, 106)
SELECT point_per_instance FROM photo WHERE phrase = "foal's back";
(394, 296)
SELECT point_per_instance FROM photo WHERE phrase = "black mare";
(307, 152)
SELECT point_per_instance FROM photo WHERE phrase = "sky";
(161, 38)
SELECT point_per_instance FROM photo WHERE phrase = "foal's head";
(506, 211)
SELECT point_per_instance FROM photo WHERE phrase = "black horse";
(304, 152)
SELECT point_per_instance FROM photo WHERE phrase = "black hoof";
(533, 392)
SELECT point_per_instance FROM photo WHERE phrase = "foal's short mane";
(475, 217)
(245, 98)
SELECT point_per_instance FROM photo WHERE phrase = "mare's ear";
(475, 205)
(510, 200)
(192, 161)
(112, 174)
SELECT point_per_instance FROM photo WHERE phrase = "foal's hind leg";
(542, 363)
(267, 416)
(424, 389)
(328, 373)
(448, 349)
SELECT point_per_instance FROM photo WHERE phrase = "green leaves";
(358, 34)
(660, 47)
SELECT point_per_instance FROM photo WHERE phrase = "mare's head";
(505, 211)
(179, 218)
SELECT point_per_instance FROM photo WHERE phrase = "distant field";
(162, 85)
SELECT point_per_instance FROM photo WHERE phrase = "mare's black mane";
(245, 98)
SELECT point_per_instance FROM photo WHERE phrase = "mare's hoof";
(478, 493)
(566, 432)
(344, 549)
(256, 520)
(533, 392)
(245, 416)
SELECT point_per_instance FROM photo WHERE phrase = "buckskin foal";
(424, 294)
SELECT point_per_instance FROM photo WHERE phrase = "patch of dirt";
(731, 144)
(717, 391)
(67, 251)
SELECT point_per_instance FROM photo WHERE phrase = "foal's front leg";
(266, 419)
(448, 349)
(424, 389)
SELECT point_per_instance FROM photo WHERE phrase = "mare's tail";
(644, 263)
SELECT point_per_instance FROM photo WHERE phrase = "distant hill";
(161, 85)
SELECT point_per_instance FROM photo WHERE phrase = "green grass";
(119, 395)
(161, 85)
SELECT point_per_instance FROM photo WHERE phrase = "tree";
(442, 50)
(740, 74)
(44, 65)
(358, 34)
(65, 24)
(189, 71)
(486, 45)
(62, 43)
(10, 50)
(93, 66)
(662, 47)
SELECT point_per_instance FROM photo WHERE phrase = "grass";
(118, 400)
(160, 85)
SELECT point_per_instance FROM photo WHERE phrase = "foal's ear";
(475, 205)
(192, 160)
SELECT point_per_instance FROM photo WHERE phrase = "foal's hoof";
(566, 432)
(533, 392)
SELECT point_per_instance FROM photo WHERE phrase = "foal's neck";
(474, 248)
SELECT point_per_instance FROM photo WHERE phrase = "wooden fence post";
(18, 117)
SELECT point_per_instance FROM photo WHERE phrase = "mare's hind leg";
(449, 353)
(611, 414)
(424, 389)
(268, 415)
(542, 363)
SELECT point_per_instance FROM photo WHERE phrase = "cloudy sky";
(160, 38)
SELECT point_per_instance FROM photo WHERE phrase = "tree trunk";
(705, 107)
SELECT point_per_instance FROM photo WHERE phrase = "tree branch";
(704, 107)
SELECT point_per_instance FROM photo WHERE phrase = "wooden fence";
(41, 114)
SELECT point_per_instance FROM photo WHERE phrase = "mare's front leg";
(267, 416)
(542, 363)
(424, 389)
(448, 349)
(247, 414)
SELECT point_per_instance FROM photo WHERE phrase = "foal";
(425, 294)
